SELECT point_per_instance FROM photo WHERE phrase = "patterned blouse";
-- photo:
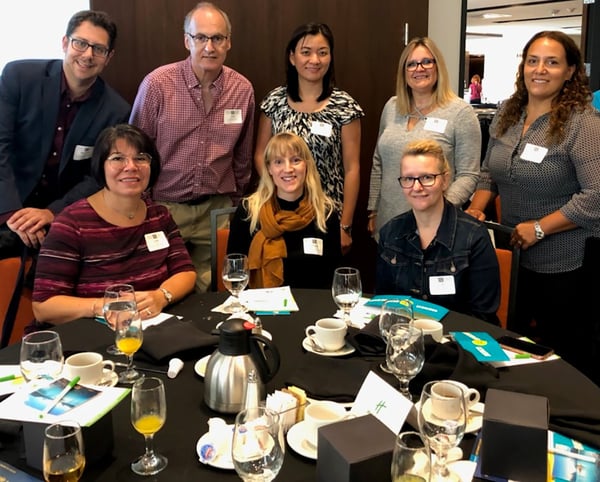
(326, 149)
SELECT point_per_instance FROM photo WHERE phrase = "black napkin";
(175, 337)
(330, 378)
(368, 340)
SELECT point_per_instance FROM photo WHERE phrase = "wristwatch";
(539, 232)
(168, 295)
(347, 228)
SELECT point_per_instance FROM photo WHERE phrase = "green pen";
(59, 397)
(7, 378)
(285, 302)
(521, 356)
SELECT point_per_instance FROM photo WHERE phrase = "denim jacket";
(461, 248)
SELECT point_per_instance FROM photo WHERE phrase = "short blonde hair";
(427, 147)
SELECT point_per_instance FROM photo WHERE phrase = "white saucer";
(297, 441)
(345, 350)
(475, 419)
(109, 379)
(200, 366)
(222, 461)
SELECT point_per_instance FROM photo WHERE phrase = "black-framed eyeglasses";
(217, 40)
(120, 160)
(426, 180)
(426, 63)
(82, 45)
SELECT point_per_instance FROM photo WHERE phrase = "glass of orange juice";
(128, 338)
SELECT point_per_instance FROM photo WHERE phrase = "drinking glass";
(117, 298)
(405, 354)
(63, 458)
(128, 338)
(148, 415)
(392, 312)
(442, 420)
(257, 447)
(41, 355)
(235, 278)
(346, 290)
(411, 459)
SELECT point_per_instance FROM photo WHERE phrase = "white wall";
(33, 29)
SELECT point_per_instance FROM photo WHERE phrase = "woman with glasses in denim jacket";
(435, 251)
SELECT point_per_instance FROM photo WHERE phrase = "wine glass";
(118, 297)
(346, 290)
(148, 415)
(41, 355)
(63, 457)
(235, 278)
(128, 339)
(442, 416)
(392, 312)
(257, 448)
(405, 354)
(411, 459)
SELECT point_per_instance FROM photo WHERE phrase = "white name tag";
(533, 153)
(83, 152)
(435, 124)
(321, 129)
(442, 285)
(232, 116)
(313, 246)
(156, 241)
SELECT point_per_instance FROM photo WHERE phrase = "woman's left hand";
(346, 240)
(523, 235)
(150, 303)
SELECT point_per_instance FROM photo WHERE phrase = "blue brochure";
(481, 345)
(421, 309)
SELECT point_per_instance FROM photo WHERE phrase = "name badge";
(156, 241)
(232, 116)
(83, 152)
(442, 285)
(313, 246)
(321, 129)
(436, 124)
(533, 153)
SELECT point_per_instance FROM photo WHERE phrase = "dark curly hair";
(575, 94)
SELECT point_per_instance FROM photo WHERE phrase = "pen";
(60, 396)
(285, 302)
(522, 355)
(8, 378)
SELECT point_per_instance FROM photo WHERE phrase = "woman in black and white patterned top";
(327, 118)
(543, 160)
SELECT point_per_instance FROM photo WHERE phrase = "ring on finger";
(148, 311)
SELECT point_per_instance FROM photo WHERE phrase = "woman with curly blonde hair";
(543, 160)
(289, 227)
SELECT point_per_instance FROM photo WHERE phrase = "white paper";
(157, 320)
(10, 386)
(383, 401)
(360, 315)
(270, 300)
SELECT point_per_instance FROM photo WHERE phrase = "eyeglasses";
(82, 46)
(120, 160)
(200, 39)
(426, 63)
(426, 180)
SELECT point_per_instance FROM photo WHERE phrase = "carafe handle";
(265, 356)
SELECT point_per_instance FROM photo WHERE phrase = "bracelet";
(372, 215)
(347, 228)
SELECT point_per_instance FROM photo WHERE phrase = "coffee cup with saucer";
(91, 369)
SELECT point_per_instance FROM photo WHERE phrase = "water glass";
(346, 290)
(41, 355)
(411, 459)
(63, 455)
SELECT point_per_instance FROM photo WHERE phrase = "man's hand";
(30, 225)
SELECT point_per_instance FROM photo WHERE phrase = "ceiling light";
(489, 16)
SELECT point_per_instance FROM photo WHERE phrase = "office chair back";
(15, 300)
(219, 234)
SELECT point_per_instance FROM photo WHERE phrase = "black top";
(300, 270)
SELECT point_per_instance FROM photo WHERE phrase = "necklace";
(129, 215)
(418, 113)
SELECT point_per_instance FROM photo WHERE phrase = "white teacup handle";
(472, 396)
(109, 363)
(310, 330)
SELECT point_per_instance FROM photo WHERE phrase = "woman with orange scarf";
(288, 228)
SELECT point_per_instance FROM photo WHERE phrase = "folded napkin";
(330, 378)
(175, 337)
(368, 340)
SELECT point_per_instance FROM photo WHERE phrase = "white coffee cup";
(446, 398)
(320, 413)
(89, 366)
(329, 333)
(430, 327)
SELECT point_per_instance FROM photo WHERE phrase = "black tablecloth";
(574, 399)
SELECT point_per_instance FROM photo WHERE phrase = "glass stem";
(441, 467)
(404, 386)
(149, 445)
(129, 362)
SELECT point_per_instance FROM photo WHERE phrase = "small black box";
(355, 450)
(514, 436)
(98, 441)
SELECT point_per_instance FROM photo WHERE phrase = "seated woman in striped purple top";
(117, 235)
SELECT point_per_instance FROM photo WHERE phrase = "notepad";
(43, 396)
(481, 345)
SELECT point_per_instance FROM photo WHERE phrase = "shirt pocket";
(450, 265)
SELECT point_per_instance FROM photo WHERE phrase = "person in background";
(288, 228)
(596, 100)
(435, 251)
(116, 235)
(424, 107)
(200, 114)
(51, 112)
(475, 90)
(542, 161)
(327, 118)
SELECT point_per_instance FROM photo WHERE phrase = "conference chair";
(15, 299)
(218, 246)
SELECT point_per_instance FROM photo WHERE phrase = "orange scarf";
(267, 249)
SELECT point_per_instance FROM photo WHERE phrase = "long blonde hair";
(442, 92)
(283, 144)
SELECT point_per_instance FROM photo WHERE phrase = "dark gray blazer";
(29, 104)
